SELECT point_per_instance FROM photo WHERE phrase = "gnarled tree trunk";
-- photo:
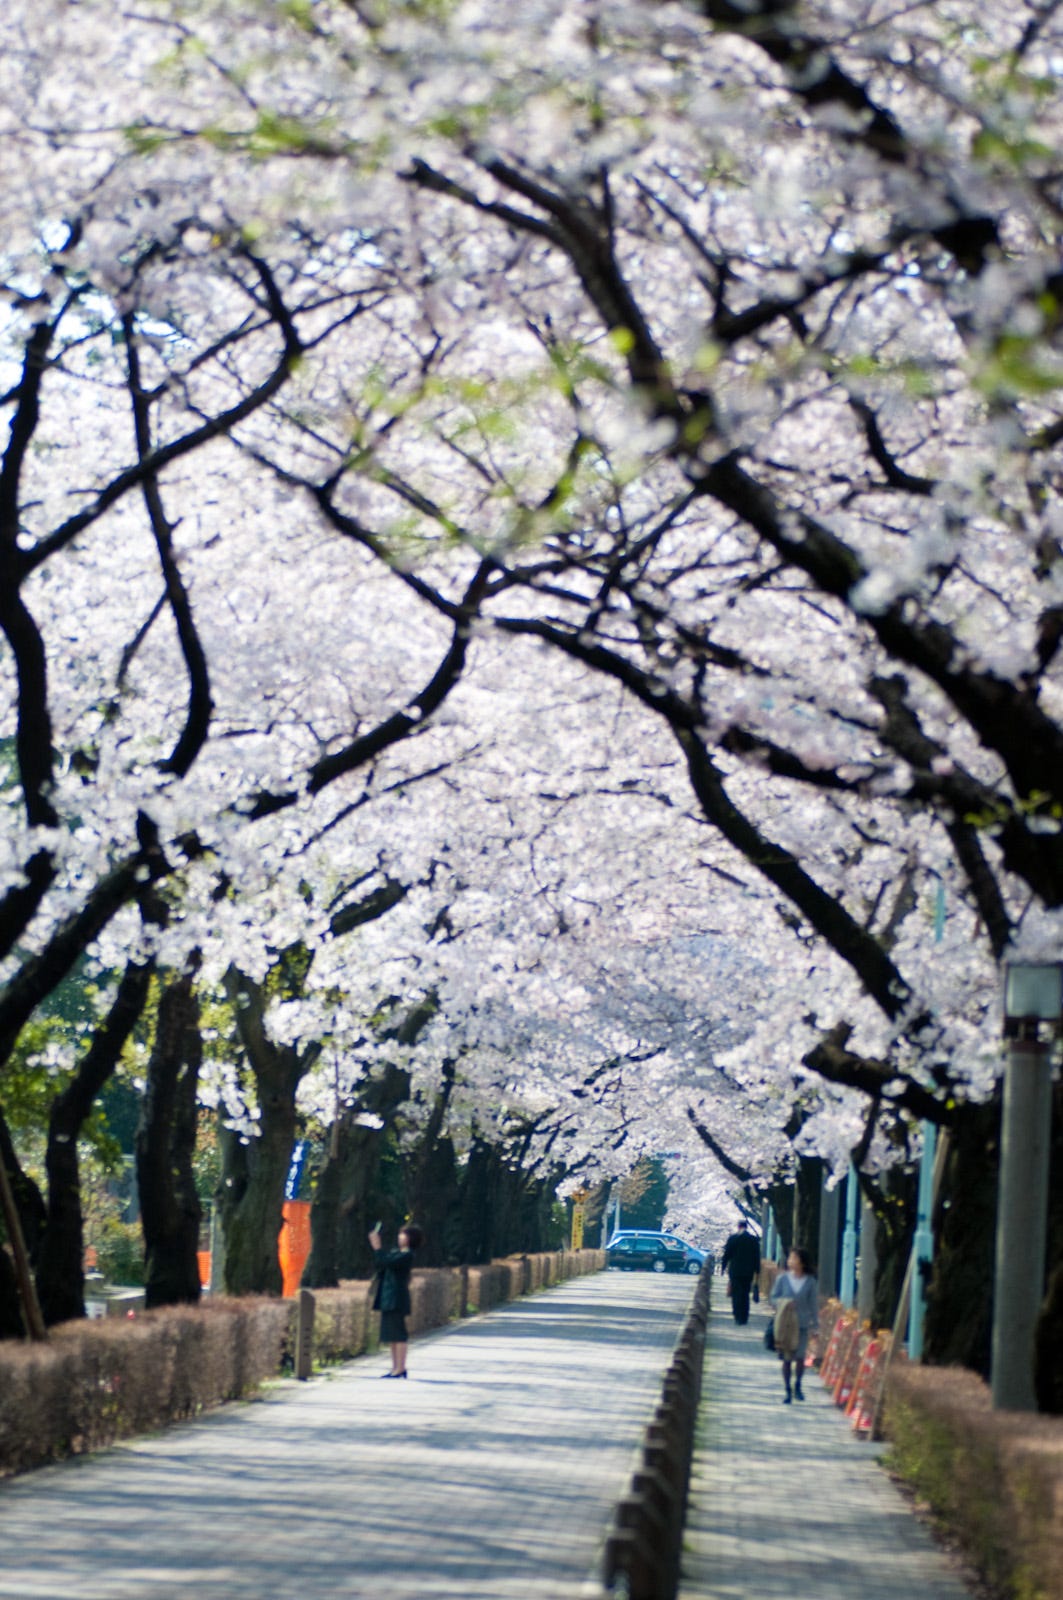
(254, 1171)
(959, 1310)
(339, 1220)
(60, 1260)
(28, 1204)
(165, 1143)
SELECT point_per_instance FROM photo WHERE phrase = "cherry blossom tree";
(709, 355)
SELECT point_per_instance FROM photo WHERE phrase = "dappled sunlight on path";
(490, 1474)
(787, 1502)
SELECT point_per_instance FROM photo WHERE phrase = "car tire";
(660, 1266)
(692, 1267)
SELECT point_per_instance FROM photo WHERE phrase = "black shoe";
(393, 1374)
(799, 1394)
(786, 1398)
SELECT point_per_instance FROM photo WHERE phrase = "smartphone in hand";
(377, 1226)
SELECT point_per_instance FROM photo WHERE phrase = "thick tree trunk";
(959, 1315)
(250, 1198)
(60, 1268)
(254, 1172)
(347, 1185)
(29, 1207)
(431, 1179)
(435, 1203)
(535, 1201)
(477, 1234)
(894, 1202)
(808, 1195)
(497, 1205)
(32, 1211)
(1048, 1343)
(165, 1142)
(60, 1265)
(959, 1312)
(1048, 1339)
(781, 1199)
(12, 1325)
(26, 1289)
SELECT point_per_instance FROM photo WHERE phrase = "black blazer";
(392, 1291)
(741, 1256)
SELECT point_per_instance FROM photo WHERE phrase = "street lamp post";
(1033, 1018)
(923, 1244)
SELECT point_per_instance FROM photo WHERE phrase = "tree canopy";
(593, 469)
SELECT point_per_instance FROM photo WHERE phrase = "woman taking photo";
(392, 1295)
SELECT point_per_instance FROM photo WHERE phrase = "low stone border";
(644, 1545)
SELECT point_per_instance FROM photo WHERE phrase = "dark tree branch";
(33, 739)
(727, 1162)
(399, 726)
(815, 78)
(20, 904)
(826, 915)
(373, 906)
(1008, 720)
(877, 1079)
(152, 464)
(60, 1274)
(200, 702)
(893, 473)
(40, 973)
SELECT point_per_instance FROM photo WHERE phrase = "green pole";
(847, 1287)
(924, 1243)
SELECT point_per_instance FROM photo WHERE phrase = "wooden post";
(304, 1334)
(31, 1311)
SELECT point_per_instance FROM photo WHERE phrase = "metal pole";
(847, 1286)
(1022, 1225)
(923, 1244)
(304, 1334)
(868, 1261)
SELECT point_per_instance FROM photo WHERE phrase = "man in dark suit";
(741, 1262)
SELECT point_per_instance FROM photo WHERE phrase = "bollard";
(630, 1566)
(643, 1516)
(643, 1550)
(304, 1334)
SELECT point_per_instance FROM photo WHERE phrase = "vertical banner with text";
(577, 1218)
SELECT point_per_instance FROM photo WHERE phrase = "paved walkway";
(490, 1474)
(786, 1502)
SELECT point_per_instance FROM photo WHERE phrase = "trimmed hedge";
(97, 1381)
(94, 1382)
(993, 1479)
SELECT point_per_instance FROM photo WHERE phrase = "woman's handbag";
(769, 1335)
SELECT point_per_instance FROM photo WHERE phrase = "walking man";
(741, 1262)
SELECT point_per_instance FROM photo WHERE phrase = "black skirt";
(393, 1327)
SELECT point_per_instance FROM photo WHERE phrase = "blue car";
(643, 1250)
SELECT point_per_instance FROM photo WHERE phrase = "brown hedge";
(994, 1479)
(97, 1381)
